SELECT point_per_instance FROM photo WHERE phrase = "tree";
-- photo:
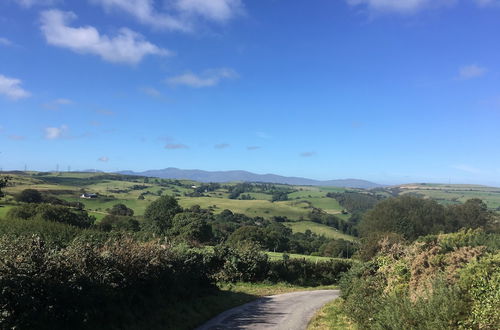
(29, 196)
(121, 209)
(247, 234)
(159, 214)
(473, 213)
(3, 183)
(116, 222)
(191, 226)
(407, 215)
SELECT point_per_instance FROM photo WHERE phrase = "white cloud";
(103, 159)
(215, 10)
(144, 11)
(177, 15)
(5, 42)
(208, 78)
(471, 71)
(11, 87)
(153, 92)
(126, 47)
(31, 3)
(54, 133)
(400, 6)
(56, 104)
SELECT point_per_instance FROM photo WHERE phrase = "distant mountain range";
(229, 176)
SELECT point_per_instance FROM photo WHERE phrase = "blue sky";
(391, 91)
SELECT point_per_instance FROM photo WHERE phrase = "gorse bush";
(446, 281)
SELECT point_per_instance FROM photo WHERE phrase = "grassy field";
(253, 208)
(317, 228)
(454, 194)
(279, 256)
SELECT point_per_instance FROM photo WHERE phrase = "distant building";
(88, 196)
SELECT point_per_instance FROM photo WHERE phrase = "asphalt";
(289, 311)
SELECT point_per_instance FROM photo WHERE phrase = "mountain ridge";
(239, 175)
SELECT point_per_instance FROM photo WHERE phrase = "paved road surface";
(290, 311)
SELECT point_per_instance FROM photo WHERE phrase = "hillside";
(231, 176)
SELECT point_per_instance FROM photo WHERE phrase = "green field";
(279, 256)
(317, 228)
(455, 194)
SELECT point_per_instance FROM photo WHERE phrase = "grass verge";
(331, 316)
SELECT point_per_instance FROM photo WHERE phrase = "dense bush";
(413, 217)
(29, 196)
(93, 285)
(304, 272)
(48, 212)
(445, 281)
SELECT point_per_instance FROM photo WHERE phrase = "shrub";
(29, 196)
(48, 212)
(92, 285)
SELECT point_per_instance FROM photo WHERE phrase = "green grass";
(331, 316)
(4, 209)
(251, 208)
(279, 256)
(317, 228)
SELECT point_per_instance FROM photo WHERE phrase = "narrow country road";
(290, 311)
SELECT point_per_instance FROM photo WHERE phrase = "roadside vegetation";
(148, 256)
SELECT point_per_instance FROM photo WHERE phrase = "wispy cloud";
(11, 87)
(126, 47)
(399, 6)
(54, 133)
(307, 154)
(221, 146)
(150, 91)
(5, 42)
(31, 3)
(105, 112)
(103, 159)
(253, 148)
(471, 71)
(208, 78)
(177, 15)
(173, 146)
(263, 135)
(56, 104)
(15, 137)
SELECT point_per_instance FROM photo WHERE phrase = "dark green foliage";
(245, 263)
(413, 217)
(338, 249)
(159, 214)
(3, 183)
(245, 234)
(191, 226)
(48, 212)
(119, 223)
(280, 196)
(355, 201)
(88, 285)
(306, 273)
(121, 209)
(29, 196)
